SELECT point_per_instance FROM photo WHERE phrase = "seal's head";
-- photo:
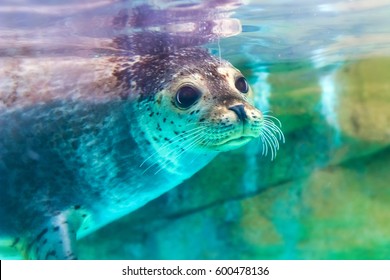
(191, 100)
(214, 100)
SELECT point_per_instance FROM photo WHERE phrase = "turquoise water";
(321, 67)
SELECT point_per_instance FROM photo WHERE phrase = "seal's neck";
(168, 154)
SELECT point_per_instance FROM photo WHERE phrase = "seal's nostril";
(240, 111)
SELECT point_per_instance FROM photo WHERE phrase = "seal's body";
(84, 141)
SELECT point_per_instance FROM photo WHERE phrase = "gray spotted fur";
(69, 165)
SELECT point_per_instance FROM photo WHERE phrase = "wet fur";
(86, 141)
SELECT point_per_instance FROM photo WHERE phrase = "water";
(321, 67)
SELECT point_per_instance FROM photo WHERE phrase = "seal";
(84, 141)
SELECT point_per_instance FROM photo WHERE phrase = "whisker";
(185, 143)
(271, 135)
(274, 128)
(272, 118)
(277, 130)
(170, 152)
(264, 147)
(198, 155)
(269, 143)
(266, 112)
(173, 141)
(196, 140)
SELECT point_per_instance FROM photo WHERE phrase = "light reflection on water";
(274, 31)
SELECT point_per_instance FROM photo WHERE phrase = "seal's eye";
(242, 85)
(187, 96)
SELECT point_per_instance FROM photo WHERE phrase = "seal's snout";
(240, 111)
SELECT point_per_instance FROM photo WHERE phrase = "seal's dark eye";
(242, 85)
(187, 96)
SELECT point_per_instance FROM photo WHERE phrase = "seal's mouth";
(239, 141)
(233, 143)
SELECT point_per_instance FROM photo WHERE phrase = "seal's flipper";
(54, 241)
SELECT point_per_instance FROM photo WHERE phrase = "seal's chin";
(233, 143)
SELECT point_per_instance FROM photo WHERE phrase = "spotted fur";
(86, 141)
